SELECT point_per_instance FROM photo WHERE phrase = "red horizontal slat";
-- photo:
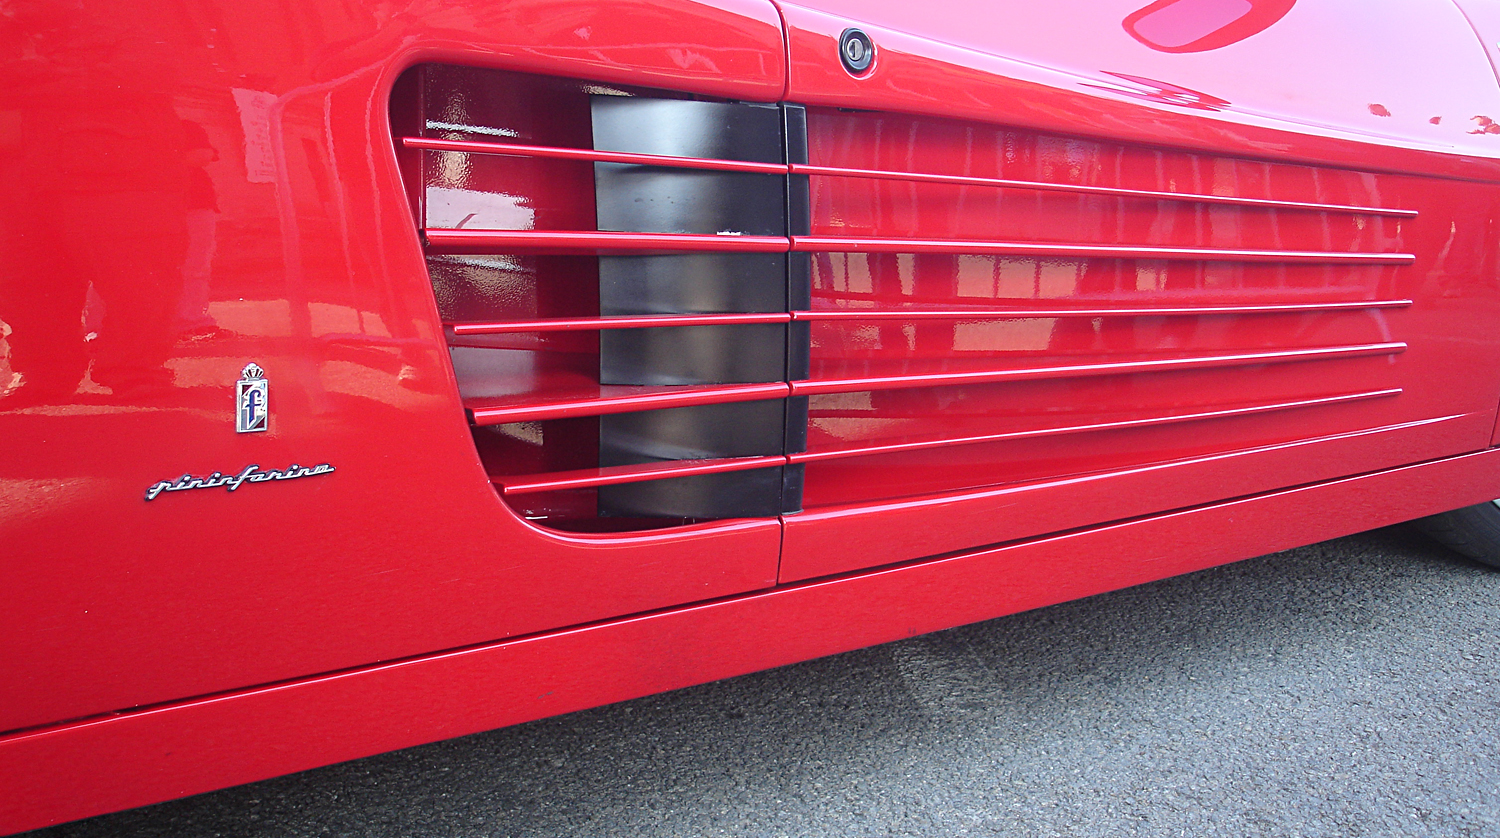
(898, 447)
(1169, 298)
(584, 324)
(1110, 191)
(896, 382)
(1023, 313)
(617, 399)
(841, 244)
(710, 164)
(587, 241)
(590, 478)
(594, 156)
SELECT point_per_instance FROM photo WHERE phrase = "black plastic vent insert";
(615, 275)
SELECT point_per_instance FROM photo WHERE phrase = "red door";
(1018, 329)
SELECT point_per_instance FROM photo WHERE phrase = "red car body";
(1091, 293)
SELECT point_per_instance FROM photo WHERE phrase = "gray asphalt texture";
(1347, 688)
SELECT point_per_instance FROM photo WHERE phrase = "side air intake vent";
(614, 272)
(664, 310)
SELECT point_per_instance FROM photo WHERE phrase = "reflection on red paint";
(1200, 25)
(1163, 92)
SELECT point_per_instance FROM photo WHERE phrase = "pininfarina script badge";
(230, 482)
(251, 405)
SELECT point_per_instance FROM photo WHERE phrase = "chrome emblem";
(251, 407)
(230, 482)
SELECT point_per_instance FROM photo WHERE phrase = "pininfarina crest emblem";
(251, 407)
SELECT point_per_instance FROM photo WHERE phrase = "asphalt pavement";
(1347, 688)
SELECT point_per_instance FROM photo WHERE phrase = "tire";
(1473, 531)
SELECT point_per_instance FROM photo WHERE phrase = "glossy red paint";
(1106, 398)
(836, 244)
(1135, 301)
(1091, 189)
(1049, 68)
(817, 387)
(565, 242)
(234, 181)
(1150, 421)
(590, 324)
(239, 737)
(980, 314)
